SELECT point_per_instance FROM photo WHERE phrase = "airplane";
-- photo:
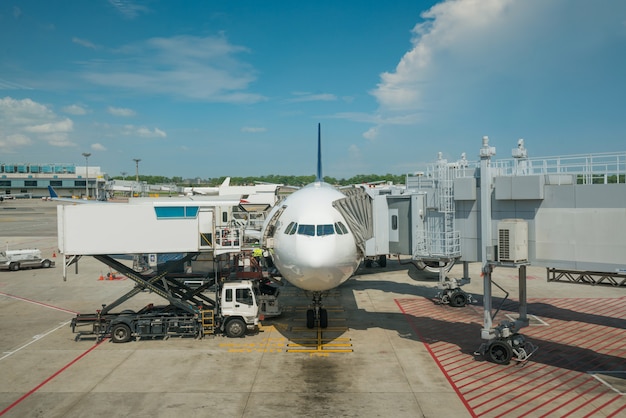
(209, 191)
(55, 196)
(310, 243)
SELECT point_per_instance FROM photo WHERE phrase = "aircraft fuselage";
(313, 248)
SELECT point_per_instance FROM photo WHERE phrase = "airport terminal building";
(32, 180)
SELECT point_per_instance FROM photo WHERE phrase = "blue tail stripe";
(53, 193)
(319, 153)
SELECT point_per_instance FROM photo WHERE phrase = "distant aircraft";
(310, 242)
(209, 191)
(55, 196)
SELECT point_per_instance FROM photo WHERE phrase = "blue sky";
(216, 88)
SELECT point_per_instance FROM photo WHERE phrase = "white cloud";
(13, 141)
(450, 30)
(354, 152)
(84, 42)
(128, 9)
(25, 121)
(120, 111)
(311, 97)
(75, 110)
(62, 126)
(371, 133)
(98, 147)
(251, 129)
(465, 51)
(143, 132)
(198, 68)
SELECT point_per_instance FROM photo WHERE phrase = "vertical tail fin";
(53, 193)
(319, 153)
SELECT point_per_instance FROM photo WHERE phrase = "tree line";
(272, 178)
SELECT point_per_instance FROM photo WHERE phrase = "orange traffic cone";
(101, 277)
(54, 254)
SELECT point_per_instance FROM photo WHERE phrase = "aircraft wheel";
(500, 352)
(458, 299)
(235, 328)
(120, 333)
(310, 318)
(323, 318)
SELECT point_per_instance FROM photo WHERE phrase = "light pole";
(86, 155)
(136, 160)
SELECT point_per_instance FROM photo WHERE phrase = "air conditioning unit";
(513, 240)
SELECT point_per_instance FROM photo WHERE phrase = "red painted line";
(517, 396)
(539, 395)
(470, 366)
(469, 409)
(39, 386)
(574, 399)
(584, 382)
(38, 303)
(609, 307)
(514, 376)
(453, 358)
(614, 414)
(584, 404)
(607, 403)
(443, 349)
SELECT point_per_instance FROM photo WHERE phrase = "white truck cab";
(238, 307)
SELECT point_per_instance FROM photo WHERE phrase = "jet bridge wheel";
(120, 333)
(500, 352)
(458, 299)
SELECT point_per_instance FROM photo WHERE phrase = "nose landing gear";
(316, 313)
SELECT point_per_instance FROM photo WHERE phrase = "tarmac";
(389, 350)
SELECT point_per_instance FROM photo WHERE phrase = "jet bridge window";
(341, 228)
(291, 228)
(308, 230)
(325, 230)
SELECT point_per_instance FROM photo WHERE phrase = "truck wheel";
(382, 261)
(46, 264)
(14, 266)
(235, 328)
(120, 333)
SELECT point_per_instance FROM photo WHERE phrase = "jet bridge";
(148, 226)
(564, 213)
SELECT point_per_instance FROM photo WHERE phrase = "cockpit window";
(291, 228)
(306, 230)
(325, 230)
(341, 228)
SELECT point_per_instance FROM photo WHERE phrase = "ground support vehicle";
(14, 260)
(190, 312)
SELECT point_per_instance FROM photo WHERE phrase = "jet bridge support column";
(503, 342)
(486, 186)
